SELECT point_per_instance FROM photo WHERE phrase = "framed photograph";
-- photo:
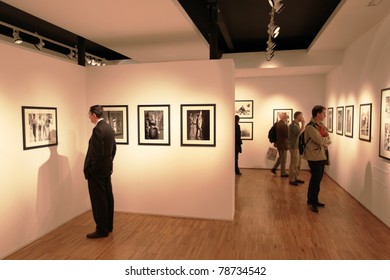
(384, 136)
(330, 119)
(117, 117)
(39, 127)
(339, 120)
(349, 121)
(244, 108)
(277, 112)
(246, 130)
(198, 125)
(365, 113)
(154, 125)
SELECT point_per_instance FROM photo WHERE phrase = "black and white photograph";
(117, 117)
(153, 125)
(330, 119)
(339, 120)
(384, 137)
(198, 125)
(349, 114)
(39, 127)
(246, 130)
(365, 122)
(244, 109)
(277, 113)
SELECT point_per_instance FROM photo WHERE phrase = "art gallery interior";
(347, 64)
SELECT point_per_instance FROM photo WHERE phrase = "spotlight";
(270, 45)
(88, 60)
(273, 29)
(40, 45)
(269, 55)
(71, 54)
(278, 5)
(17, 39)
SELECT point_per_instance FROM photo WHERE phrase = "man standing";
(281, 144)
(238, 143)
(294, 130)
(98, 168)
(317, 140)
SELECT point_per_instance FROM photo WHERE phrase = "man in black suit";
(97, 170)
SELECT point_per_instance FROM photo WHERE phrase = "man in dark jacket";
(281, 144)
(98, 168)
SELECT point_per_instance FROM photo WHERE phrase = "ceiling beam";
(224, 31)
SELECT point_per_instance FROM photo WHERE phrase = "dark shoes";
(284, 175)
(299, 181)
(273, 170)
(294, 183)
(97, 234)
(313, 208)
(319, 204)
(238, 173)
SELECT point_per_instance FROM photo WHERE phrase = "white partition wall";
(172, 180)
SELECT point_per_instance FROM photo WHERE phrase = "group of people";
(316, 141)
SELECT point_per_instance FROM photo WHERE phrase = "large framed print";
(384, 136)
(365, 113)
(277, 113)
(339, 120)
(349, 112)
(39, 127)
(330, 119)
(198, 125)
(244, 109)
(154, 125)
(246, 130)
(117, 117)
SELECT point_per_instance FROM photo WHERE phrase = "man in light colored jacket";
(317, 141)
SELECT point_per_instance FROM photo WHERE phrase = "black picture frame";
(154, 125)
(198, 125)
(330, 119)
(278, 111)
(339, 120)
(117, 117)
(244, 109)
(384, 130)
(365, 115)
(349, 117)
(39, 126)
(246, 130)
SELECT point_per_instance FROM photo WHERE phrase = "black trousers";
(317, 172)
(236, 168)
(102, 201)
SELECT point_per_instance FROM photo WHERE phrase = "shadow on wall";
(366, 193)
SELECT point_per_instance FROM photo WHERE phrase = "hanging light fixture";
(17, 39)
(273, 29)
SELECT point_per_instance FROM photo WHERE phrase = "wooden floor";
(272, 222)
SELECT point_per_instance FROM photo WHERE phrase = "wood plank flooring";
(272, 222)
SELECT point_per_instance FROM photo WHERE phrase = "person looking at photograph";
(295, 129)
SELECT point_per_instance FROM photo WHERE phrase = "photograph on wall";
(153, 125)
(384, 137)
(339, 120)
(116, 116)
(349, 121)
(39, 127)
(365, 122)
(246, 130)
(330, 119)
(198, 125)
(244, 109)
(278, 112)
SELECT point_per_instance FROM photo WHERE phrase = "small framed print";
(384, 130)
(365, 113)
(39, 127)
(339, 120)
(349, 121)
(246, 130)
(117, 117)
(153, 125)
(244, 109)
(277, 113)
(198, 125)
(330, 119)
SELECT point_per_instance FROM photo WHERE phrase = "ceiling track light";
(273, 29)
(40, 44)
(17, 39)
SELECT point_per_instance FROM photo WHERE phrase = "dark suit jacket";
(101, 151)
(238, 141)
(281, 135)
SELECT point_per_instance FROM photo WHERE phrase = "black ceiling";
(242, 25)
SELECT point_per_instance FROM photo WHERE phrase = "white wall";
(40, 188)
(299, 93)
(356, 164)
(172, 180)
